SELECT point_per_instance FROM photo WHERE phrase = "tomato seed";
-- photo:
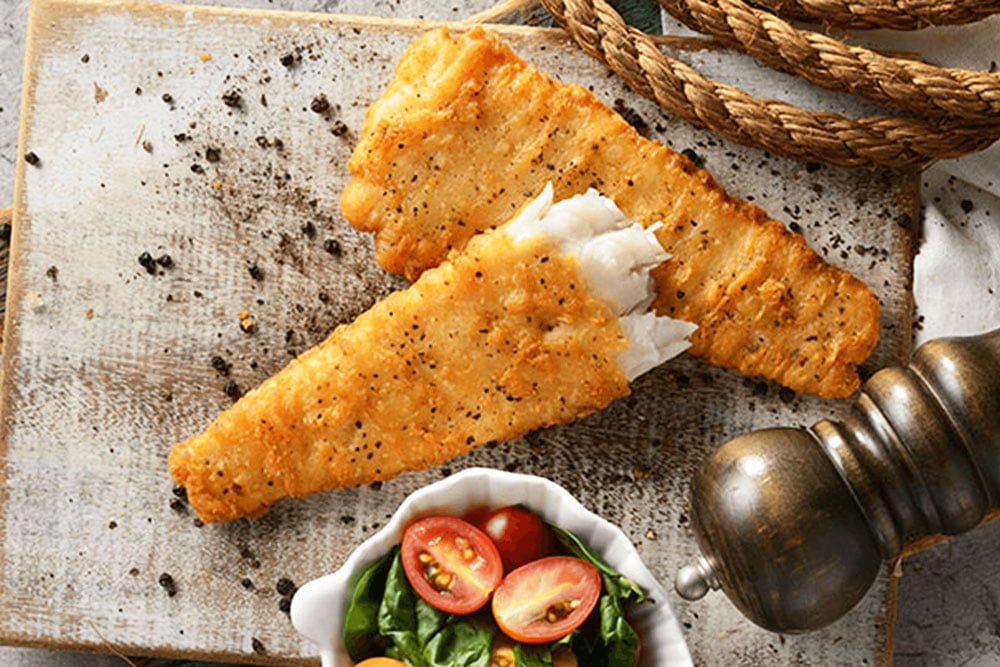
(466, 549)
(442, 581)
(560, 610)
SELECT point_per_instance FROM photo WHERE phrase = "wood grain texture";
(106, 364)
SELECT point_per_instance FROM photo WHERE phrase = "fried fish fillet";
(467, 130)
(511, 335)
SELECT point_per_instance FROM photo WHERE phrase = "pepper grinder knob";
(794, 524)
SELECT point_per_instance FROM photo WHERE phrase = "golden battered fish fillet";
(467, 130)
(503, 338)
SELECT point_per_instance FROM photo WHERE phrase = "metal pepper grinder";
(795, 523)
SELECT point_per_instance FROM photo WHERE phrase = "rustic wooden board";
(106, 365)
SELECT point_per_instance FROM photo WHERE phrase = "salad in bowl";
(489, 568)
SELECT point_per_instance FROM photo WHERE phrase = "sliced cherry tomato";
(450, 563)
(546, 599)
(520, 535)
(381, 662)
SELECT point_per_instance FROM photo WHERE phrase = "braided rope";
(891, 14)
(914, 86)
(770, 124)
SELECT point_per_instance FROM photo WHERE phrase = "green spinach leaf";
(361, 635)
(398, 619)
(615, 583)
(460, 644)
(620, 640)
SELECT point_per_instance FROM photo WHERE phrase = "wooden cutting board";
(188, 135)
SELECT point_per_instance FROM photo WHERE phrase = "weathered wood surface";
(106, 364)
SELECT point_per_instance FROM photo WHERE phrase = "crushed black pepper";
(286, 587)
(32, 158)
(212, 154)
(231, 389)
(221, 366)
(168, 584)
(632, 117)
(232, 98)
(332, 246)
(690, 154)
(147, 262)
(255, 271)
(339, 128)
(258, 646)
(320, 104)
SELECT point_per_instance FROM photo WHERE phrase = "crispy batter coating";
(467, 131)
(502, 339)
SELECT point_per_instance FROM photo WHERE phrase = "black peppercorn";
(232, 98)
(231, 389)
(168, 584)
(332, 246)
(148, 263)
(320, 104)
(285, 586)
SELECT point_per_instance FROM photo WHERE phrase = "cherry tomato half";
(450, 563)
(520, 535)
(381, 662)
(546, 599)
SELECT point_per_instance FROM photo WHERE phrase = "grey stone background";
(949, 595)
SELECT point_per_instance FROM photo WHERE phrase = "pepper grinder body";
(794, 524)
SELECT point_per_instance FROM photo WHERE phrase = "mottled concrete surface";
(949, 595)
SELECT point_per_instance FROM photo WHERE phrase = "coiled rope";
(937, 112)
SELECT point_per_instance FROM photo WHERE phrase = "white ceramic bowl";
(318, 606)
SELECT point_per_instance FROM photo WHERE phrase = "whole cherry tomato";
(520, 535)
(546, 599)
(450, 563)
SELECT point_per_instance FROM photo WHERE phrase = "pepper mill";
(794, 523)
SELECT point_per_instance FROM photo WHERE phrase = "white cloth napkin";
(957, 270)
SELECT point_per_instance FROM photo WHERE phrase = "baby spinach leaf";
(532, 656)
(397, 615)
(361, 620)
(460, 644)
(620, 640)
(615, 583)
